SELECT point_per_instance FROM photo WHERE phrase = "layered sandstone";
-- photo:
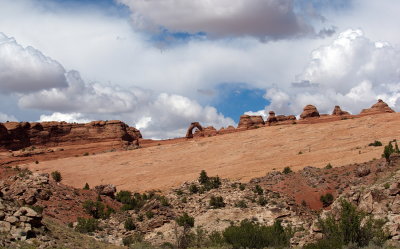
(18, 135)
(337, 111)
(250, 122)
(309, 111)
(379, 107)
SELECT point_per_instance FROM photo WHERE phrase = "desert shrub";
(149, 215)
(203, 178)
(179, 192)
(87, 225)
(131, 202)
(164, 201)
(389, 149)
(328, 166)
(184, 238)
(185, 220)
(375, 143)
(56, 175)
(252, 235)
(24, 172)
(129, 224)
(217, 202)
(86, 187)
(304, 203)
(262, 201)
(86, 154)
(258, 190)
(287, 170)
(184, 200)
(352, 227)
(132, 239)
(97, 209)
(38, 209)
(241, 204)
(209, 182)
(386, 185)
(326, 199)
(193, 189)
(242, 186)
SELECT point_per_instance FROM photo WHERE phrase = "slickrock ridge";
(379, 107)
(337, 111)
(250, 122)
(19, 135)
(309, 111)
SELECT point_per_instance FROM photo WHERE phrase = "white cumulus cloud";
(5, 117)
(25, 69)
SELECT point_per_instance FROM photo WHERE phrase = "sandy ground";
(238, 156)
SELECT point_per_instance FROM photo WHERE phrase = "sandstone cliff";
(15, 135)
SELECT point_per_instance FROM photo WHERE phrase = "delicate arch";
(189, 133)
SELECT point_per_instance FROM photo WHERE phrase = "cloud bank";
(270, 19)
(352, 71)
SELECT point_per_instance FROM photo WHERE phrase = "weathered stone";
(108, 190)
(5, 226)
(12, 219)
(363, 171)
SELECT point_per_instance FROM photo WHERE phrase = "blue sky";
(160, 65)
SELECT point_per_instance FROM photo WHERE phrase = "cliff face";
(14, 135)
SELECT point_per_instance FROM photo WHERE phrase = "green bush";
(241, 204)
(352, 227)
(389, 149)
(217, 202)
(129, 224)
(287, 170)
(203, 178)
(375, 143)
(56, 176)
(132, 239)
(262, 201)
(185, 220)
(328, 166)
(258, 190)
(86, 187)
(326, 199)
(131, 202)
(87, 225)
(97, 209)
(251, 235)
(193, 189)
(242, 186)
(149, 215)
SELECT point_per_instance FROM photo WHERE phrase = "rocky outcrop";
(309, 111)
(379, 107)
(229, 129)
(189, 133)
(271, 118)
(250, 122)
(282, 118)
(207, 132)
(14, 135)
(107, 190)
(337, 111)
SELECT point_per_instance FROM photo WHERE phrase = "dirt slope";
(239, 156)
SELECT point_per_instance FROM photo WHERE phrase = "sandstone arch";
(189, 133)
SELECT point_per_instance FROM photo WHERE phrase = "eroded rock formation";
(189, 133)
(337, 111)
(18, 135)
(250, 122)
(379, 107)
(207, 132)
(309, 111)
(271, 118)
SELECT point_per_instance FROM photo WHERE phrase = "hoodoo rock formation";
(379, 107)
(337, 111)
(189, 133)
(250, 122)
(309, 111)
(15, 135)
(271, 118)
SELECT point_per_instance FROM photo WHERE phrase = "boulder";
(309, 111)
(108, 190)
(251, 122)
(362, 171)
(379, 107)
(337, 111)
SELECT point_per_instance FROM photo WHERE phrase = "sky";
(159, 65)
